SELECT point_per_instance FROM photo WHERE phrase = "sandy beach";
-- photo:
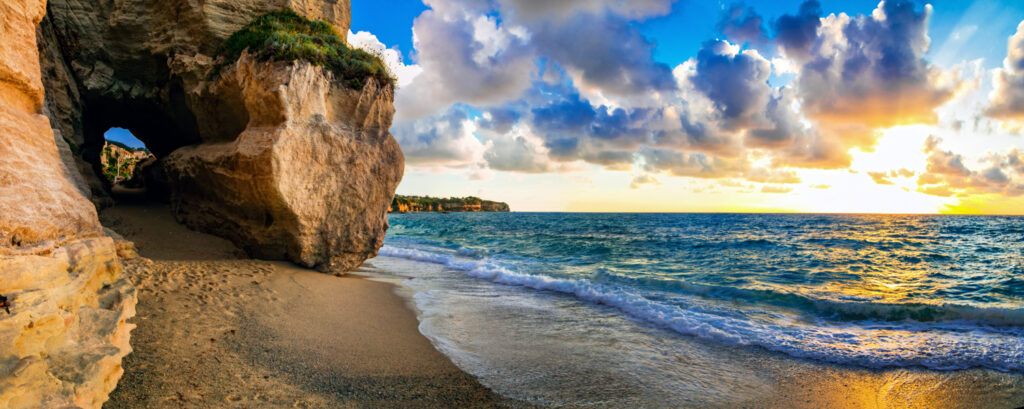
(217, 330)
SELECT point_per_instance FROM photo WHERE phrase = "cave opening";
(121, 162)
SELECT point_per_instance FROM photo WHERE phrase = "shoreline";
(215, 329)
(548, 347)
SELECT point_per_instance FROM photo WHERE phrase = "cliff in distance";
(407, 204)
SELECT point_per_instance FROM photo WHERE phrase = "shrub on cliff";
(286, 36)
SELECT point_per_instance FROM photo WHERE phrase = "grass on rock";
(286, 36)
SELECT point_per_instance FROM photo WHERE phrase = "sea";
(623, 310)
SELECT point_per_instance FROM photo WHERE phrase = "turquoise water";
(938, 292)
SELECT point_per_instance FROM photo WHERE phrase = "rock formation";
(277, 157)
(310, 176)
(62, 344)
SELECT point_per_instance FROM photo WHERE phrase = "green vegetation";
(447, 204)
(286, 36)
(119, 161)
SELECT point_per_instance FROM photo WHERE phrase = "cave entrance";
(122, 159)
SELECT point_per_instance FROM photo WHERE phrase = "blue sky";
(680, 33)
(123, 136)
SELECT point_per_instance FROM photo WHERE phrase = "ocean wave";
(846, 307)
(874, 343)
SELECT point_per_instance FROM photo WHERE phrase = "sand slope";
(219, 331)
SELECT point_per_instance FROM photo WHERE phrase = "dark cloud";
(736, 83)
(785, 123)
(572, 114)
(796, 34)
(500, 119)
(741, 24)
(603, 51)
(855, 76)
(560, 9)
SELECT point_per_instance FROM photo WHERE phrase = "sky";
(707, 106)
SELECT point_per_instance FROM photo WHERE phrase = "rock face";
(276, 157)
(308, 179)
(279, 158)
(62, 344)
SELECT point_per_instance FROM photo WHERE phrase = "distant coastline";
(414, 204)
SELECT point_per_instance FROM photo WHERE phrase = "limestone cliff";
(277, 157)
(62, 344)
(413, 204)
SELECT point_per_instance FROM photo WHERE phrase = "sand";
(217, 330)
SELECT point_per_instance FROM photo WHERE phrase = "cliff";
(119, 162)
(405, 204)
(285, 158)
(280, 156)
(62, 343)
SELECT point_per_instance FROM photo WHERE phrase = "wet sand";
(217, 330)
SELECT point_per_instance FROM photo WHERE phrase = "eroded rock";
(309, 177)
(279, 158)
(62, 344)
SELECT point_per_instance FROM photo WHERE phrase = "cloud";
(735, 82)
(1007, 99)
(870, 70)
(796, 34)
(517, 151)
(885, 178)
(947, 175)
(465, 59)
(547, 10)
(776, 189)
(643, 179)
(392, 57)
(536, 86)
(857, 75)
(445, 139)
(742, 24)
(603, 51)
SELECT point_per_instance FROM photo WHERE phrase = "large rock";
(62, 344)
(308, 177)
